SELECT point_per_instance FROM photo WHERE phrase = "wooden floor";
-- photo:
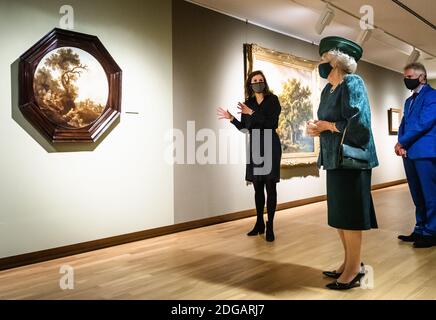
(221, 262)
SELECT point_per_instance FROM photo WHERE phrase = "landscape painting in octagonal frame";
(71, 87)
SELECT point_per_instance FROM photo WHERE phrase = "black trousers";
(271, 201)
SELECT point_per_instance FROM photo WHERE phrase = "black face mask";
(325, 69)
(258, 87)
(412, 84)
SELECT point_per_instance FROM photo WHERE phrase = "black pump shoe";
(259, 228)
(335, 275)
(332, 274)
(346, 286)
(269, 232)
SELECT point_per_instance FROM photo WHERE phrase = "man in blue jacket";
(417, 145)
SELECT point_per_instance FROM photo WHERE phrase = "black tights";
(271, 203)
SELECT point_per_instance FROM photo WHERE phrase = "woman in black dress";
(259, 117)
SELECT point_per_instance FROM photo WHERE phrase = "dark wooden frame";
(27, 102)
(390, 117)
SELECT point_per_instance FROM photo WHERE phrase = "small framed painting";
(394, 118)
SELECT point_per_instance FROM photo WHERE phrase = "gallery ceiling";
(399, 25)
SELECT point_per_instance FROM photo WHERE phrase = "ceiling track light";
(414, 56)
(324, 20)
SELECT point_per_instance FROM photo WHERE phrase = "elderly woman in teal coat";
(345, 119)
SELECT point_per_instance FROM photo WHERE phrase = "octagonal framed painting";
(69, 87)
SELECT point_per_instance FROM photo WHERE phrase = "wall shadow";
(18, 117)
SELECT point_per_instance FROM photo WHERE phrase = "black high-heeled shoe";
(346, 286)
(332, 274)
(335, 275)
(269, 232)
(259, 228)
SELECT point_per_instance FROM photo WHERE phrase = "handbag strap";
(346, 128)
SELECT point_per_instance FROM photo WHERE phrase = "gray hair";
(341, 60)
(417, 67)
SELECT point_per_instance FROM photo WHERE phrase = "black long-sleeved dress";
(264, 140)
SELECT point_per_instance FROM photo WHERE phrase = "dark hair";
(249, 90)
(416, 66)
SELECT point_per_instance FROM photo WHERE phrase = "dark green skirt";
(349, 200)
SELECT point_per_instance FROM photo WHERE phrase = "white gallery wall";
(52, 199)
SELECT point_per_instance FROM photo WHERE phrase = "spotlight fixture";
(414, 56)
(324, 20)
(364, 36)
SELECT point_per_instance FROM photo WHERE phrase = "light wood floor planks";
(221, 262)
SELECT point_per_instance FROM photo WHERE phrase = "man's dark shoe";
(412, 238)
(425, 242)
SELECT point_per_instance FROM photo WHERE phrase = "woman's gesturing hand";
(244, 109)
(224, 114)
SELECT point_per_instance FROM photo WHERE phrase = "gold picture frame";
(297, 83)
(394, 119)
